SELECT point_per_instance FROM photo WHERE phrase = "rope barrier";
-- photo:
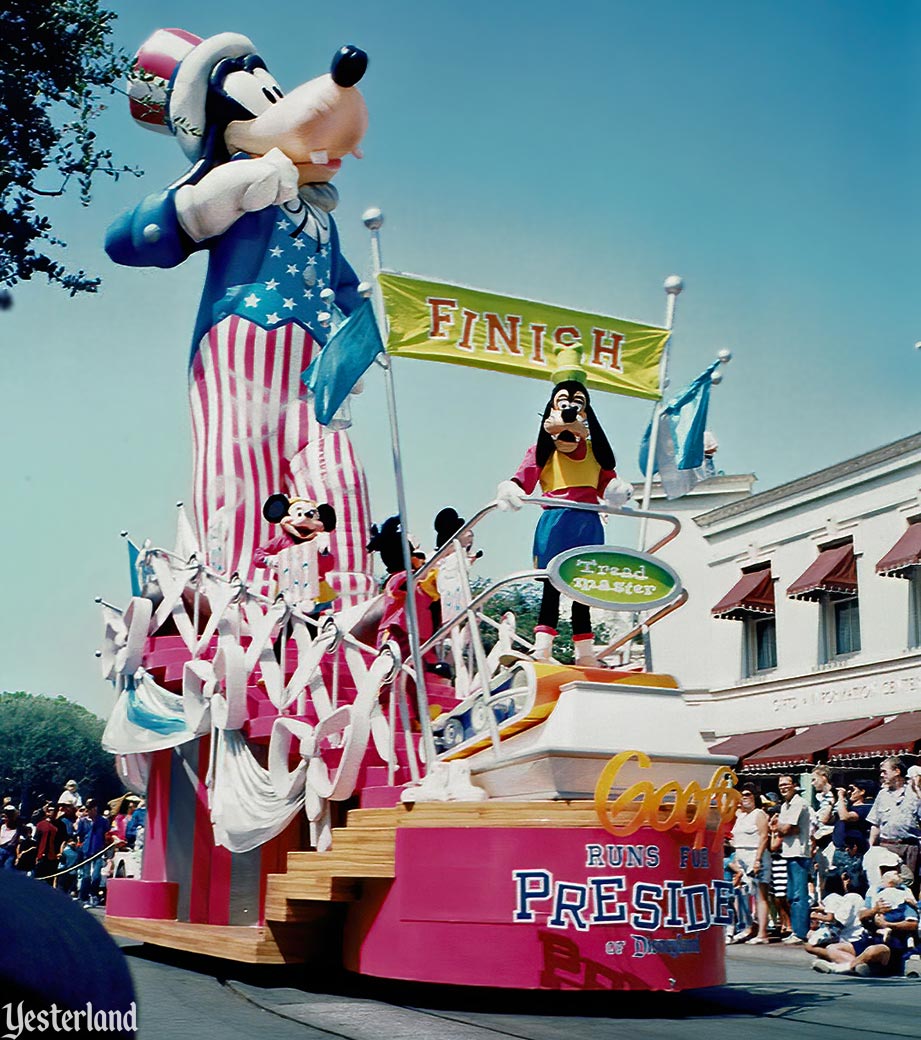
(76, 866)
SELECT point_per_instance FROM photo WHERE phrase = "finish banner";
(433, 321)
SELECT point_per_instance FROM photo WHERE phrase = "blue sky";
(766, 152)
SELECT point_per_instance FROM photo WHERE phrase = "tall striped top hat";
(168, 84)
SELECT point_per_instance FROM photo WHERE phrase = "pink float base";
(131, 897)
(449, 916)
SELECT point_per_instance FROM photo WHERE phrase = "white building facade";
(817, 590)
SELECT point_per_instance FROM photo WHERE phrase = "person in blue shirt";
(91, 836)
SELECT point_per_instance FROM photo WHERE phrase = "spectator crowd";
(837, 874)
(74, 844)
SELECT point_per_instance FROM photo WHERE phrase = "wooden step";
(365, 864)
(475, 814)
(322, 888)
(355, 840)
(284, 902)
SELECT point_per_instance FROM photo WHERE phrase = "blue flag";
(680, 442)
(133, 554)
(348, 354)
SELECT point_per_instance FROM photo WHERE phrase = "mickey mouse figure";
(294, 555)
(573, 462)
(386, 540)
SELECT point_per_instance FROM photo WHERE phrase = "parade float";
(336, 770)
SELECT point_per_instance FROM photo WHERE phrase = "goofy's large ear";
(327, 517)
(601, 448)
(276, 508)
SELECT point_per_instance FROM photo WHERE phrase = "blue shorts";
(863, 943)
(562, 529)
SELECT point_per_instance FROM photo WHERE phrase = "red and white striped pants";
(254, 435)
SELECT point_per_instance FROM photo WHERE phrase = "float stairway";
(317, 878)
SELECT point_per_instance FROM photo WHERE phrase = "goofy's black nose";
(569, 413)
(348, 65)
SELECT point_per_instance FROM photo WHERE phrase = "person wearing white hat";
(71, 794)
(258, 200)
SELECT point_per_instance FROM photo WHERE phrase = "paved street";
(770, 993)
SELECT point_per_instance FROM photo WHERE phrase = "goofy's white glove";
(222, 196)
(618, 493)
(509, 495)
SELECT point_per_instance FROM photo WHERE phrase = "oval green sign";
(614, 578)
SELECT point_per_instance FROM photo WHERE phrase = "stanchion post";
(373, 220)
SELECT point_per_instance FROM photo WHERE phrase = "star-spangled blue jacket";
(254, 268)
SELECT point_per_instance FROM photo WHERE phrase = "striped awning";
(751, 596)
(744, 744)
(833, 573)
(904, 556)
(899, 736)
(809, 746)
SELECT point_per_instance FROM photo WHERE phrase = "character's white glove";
(509, 495)
(222, 196)
(618, 493)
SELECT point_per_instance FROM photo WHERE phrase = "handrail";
(545, 502)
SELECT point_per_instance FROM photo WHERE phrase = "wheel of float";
(478, 717)
(452, 734)
(523, 687)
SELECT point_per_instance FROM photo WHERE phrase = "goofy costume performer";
(572, 461)
(258, 198)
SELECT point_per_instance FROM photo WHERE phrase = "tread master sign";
(614, 578)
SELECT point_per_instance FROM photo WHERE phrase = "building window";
(844, 627)
(761, 645)
(914, 608)
(751, 601)
(831, 581)
(904, 561)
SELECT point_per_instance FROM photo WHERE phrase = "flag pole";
(672, 286)
(373, 220)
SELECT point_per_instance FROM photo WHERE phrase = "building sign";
(614, 578)
(869, 688)
(829, 695)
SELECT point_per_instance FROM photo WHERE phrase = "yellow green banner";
(434, 321)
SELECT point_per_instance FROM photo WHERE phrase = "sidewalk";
(774, 952)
